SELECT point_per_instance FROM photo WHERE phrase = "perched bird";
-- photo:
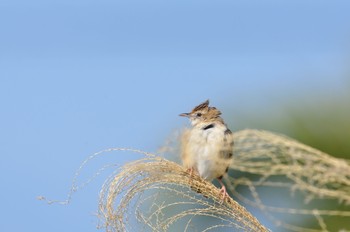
(207, 147)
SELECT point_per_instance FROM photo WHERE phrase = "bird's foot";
(190, 170)
(224, 193)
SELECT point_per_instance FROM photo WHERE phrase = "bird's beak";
(184, 115)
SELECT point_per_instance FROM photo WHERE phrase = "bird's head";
(202, 113)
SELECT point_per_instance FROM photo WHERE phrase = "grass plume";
(156, 194)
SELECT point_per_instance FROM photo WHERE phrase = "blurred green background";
(318, 119)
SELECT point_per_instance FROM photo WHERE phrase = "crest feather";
(201, 106)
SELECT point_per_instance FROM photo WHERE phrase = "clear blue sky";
(79, 76)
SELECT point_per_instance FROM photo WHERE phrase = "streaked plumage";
(207, 147)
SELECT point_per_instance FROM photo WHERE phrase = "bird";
(207, 147)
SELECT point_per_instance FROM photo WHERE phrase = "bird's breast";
(210, 151)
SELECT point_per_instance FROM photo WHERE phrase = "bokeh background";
(80, 76)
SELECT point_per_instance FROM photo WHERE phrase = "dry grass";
(279, 163)
(159, 194)
(155, 194)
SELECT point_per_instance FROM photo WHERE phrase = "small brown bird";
(207, 147)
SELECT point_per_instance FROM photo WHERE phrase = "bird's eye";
(198, 114)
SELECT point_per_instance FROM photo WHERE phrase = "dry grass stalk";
(166, 190)
(298, 168)
(160, 195)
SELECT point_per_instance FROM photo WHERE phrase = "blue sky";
(81, 76)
